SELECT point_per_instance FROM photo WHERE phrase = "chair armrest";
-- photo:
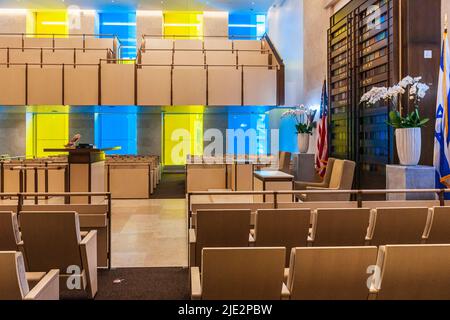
(285, 294)
(303, 185)
(319, 188)
(429, 224)
(286, 275)
(192, 247)
(88, 248)
(312, 235)
(47, 288)
(196, 285)
(372, 223)
(251, 240)
(192, 236)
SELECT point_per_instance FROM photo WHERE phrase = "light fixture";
(198, 25)
(242, 25)
(54, 23)
(123, 24)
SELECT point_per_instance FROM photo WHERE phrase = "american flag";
(322, 139)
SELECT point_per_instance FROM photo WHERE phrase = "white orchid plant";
(304, 118)
(416, 89)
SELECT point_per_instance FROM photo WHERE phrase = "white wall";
(215, 23)
(13, 21)
(149, 23)
(285, 25)
(316, 24)
(83, 22)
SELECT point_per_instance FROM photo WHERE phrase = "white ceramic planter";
(409, 145)
(303, 142)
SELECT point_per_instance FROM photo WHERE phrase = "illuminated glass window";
(116, 130)
(254, 127)
(122, 25)
(244, 26)
(183, 25)
(51, 22)
(183, 136)
(46, 130)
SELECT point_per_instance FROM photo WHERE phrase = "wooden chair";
(14, 282)
(340, 227)
(91, 216)
(284, 163)
(239, 274)
(440, 226)
(218, 228)
(413, 272)
(52, 240)
(341, 179)
(303, 185)
(287, 228)
(397, 226)
(330, 273)
(10, 238)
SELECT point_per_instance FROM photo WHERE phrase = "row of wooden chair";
(392, 272)
(89, 217)
(48, 241)
(292, 228)
(17, 284)
(132, 177)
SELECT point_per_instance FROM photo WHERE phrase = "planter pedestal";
(304, 167)
(410, 177)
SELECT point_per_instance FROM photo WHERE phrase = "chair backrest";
(242, 273)
(328, 172)
(51, 240)
(398, 225)
(342, 175)
(287, 228)
(13, 282)
(440, 226)
(341, 227)
(9, 231)
(221, 228)
(414, 272)
(285, 161)
(330, 273)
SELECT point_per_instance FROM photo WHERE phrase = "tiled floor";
(149, 233)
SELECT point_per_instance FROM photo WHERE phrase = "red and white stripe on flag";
(322, 135)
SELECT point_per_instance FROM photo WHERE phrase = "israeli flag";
(442, 137)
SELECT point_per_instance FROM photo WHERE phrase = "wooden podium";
(86, 172)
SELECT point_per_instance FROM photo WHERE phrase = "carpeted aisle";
(139, 284)
(172, 186)
(144, 284)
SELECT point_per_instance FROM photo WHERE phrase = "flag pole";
(446, 23)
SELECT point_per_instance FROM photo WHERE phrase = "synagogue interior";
(224, 150)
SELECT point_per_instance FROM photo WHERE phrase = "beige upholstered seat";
(413, 272)
(239, 274)
(91, 216)
(52, 240)
(218, 228)
(330, 273)
(340, 227)
(14, 284)
(287, 228)
(302, 185)
(397, 226)
(440, 226)
(10, 238)
(341, 179)
(284, 162)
